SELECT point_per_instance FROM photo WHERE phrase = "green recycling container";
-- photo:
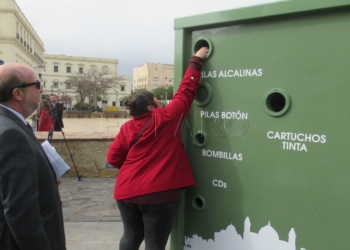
(267, 134)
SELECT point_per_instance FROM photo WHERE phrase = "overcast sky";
(134, 32)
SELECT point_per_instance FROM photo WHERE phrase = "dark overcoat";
(30, 205)
(58, 116)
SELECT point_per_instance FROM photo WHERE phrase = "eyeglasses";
(25, 85)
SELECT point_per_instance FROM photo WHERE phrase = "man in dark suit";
(30, 205)
(57, 112)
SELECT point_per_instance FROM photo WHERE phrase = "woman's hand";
(202, 52)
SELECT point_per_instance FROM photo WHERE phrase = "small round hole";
(198, 203)
(203, 94)
(200, 138)
(276, 102)
(203, 42)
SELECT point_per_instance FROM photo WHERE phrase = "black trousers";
(149, 222)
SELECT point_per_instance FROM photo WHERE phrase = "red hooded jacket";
(157, 161)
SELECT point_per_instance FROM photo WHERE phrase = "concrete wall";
(89, 155)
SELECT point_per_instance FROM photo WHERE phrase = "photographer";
(57, 111)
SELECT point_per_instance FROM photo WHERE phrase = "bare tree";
(94, 82)
(102, 81)
(78, 83)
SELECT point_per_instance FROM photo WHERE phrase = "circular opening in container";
(203, 94)
(277, 102)
(198, 203)
(203, 42)
(200, 138)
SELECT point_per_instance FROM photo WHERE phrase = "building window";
(166, 78)
(69, 69)
(68, 85)
(122, 88)
(81, 70)
(55, 68)
(55, 85)
(105, 70)
(155, 78)
(104, 101)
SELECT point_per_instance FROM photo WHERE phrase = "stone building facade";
(58, 68)
(151, 76)
(19, 43)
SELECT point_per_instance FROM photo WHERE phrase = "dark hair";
(6, 84)
(139, 103)
(54, 95)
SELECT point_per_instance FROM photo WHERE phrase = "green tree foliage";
(91, 99)
(81, 106)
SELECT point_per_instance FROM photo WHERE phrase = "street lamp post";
(69, 100)
(166, 86)
(40, 71)
(63, 99)
(116, 102)
(161, 100)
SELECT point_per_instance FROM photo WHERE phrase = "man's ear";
(17, 94)
(150, 107)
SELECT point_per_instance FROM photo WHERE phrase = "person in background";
(57, 112)
(35, 120)
(46, 123)
(153, 163)
(30, 205)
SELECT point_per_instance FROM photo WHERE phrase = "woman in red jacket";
(153, 163)
(46, 122)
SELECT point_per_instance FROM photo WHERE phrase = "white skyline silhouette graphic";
(266, 239)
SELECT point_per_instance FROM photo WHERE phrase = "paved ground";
(89, 200)
(92, 219)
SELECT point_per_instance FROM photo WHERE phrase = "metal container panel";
(267, 133)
